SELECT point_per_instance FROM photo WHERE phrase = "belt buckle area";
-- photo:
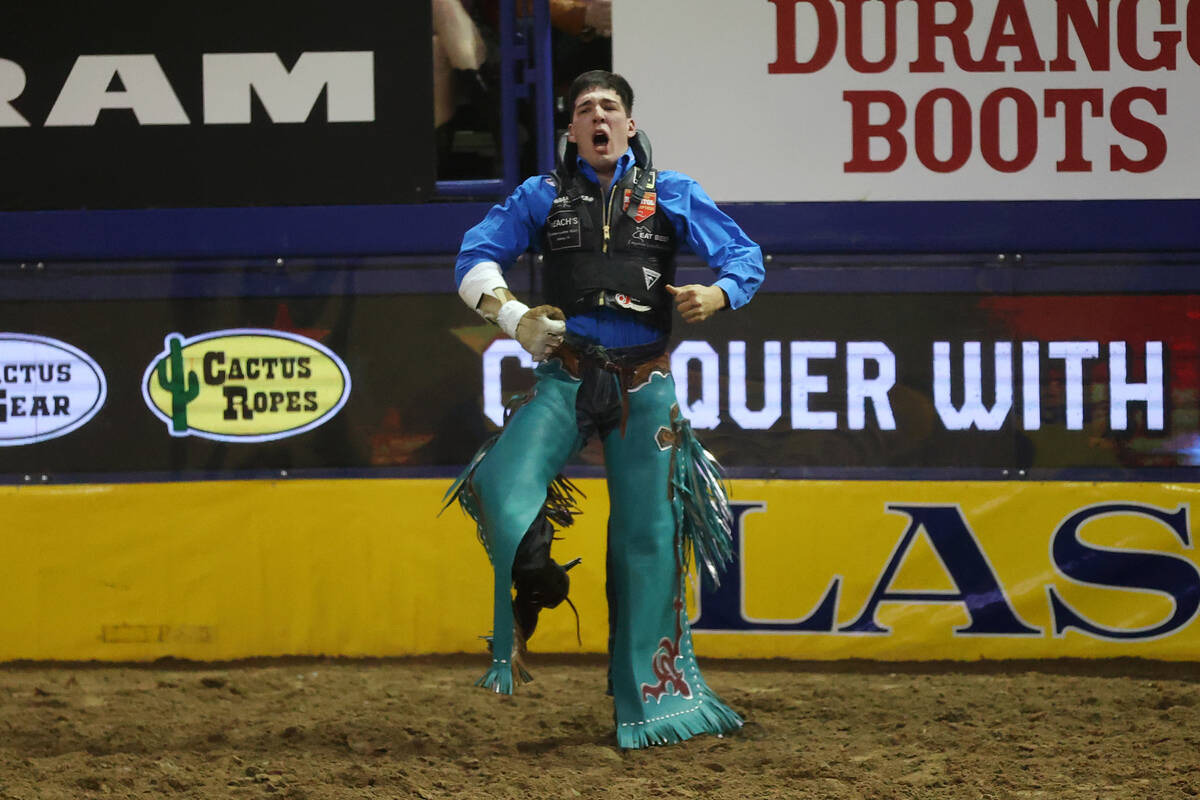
(631, 372)
(571, 360)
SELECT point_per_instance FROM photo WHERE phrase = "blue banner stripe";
(858, 227)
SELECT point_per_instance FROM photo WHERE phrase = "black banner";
(345, 381)
(140, 105)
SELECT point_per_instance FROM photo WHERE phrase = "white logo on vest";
(651, 276)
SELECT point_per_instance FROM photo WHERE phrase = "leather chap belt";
(632, 366)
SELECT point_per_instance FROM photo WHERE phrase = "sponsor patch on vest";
(644, 237)
(651, 277)
(48, 388)
(645, 209)
(244, 385)
(563, 230)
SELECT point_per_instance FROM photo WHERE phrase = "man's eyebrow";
(607, 102)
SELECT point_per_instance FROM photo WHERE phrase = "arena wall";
(220, 570)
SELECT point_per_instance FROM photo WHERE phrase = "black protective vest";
(617, 251)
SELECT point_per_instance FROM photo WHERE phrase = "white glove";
(539, 330)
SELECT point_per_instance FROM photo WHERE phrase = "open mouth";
(600, 139)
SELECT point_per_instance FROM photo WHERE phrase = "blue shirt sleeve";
(712, 235)
(509, 229)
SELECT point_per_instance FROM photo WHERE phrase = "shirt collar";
(623, 165)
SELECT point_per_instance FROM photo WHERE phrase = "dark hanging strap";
(644, 182)
(624, 376)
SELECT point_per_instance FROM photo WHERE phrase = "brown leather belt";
(630, 376)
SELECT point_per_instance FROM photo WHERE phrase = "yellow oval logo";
(244, 385)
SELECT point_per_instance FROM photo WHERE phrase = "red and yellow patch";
(646, 208)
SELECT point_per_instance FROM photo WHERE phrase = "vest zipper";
(606, 209)
(607, 214)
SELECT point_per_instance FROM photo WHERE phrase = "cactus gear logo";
(48, 388)
(244, 385)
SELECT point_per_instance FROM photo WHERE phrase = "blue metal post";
(510, 58)
(543, 84)
(526, 73)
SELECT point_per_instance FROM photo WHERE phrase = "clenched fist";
(540, 331)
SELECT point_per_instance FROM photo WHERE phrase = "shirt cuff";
(733, 292)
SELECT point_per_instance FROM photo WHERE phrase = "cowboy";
(608, 225)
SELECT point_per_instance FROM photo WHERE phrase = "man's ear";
(570, 131)
(632, 127)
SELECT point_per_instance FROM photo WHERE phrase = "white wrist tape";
(510, 314)
(483, 278)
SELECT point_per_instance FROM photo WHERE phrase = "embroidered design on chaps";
(663, 661)
(664, 666)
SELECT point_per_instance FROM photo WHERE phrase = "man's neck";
(605, 180)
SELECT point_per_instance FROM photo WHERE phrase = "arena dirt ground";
(417, 728)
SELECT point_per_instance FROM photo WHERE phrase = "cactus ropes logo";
(244, 385)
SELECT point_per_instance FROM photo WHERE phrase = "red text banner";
(900, 100)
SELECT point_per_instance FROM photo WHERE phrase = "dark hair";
(599, 78)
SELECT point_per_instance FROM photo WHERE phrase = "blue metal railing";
(540, 78)
(525, 74)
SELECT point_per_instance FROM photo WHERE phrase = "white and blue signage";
(48, 388)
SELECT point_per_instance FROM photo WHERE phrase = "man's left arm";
(717, 239)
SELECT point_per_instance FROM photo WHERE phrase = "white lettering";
(348, 79)
(12, 83)
(493, 357)
(705, 413)
(973, 413)
(1121, 393)
(147, 92)
(860, 389)
(1031, 396)
(1073, 354)
(868, 387)
(772, 408)
(804, 385)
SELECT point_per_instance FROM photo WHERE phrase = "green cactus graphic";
(180, 396)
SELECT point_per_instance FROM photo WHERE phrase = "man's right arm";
(490, 248)
(507, 230)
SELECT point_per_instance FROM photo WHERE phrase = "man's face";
(601, 128)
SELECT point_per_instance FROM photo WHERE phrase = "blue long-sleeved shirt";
(510, 229)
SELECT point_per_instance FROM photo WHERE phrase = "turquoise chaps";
(668, 509)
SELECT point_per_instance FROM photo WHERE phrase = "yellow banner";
(957, 571)
(825, 570)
